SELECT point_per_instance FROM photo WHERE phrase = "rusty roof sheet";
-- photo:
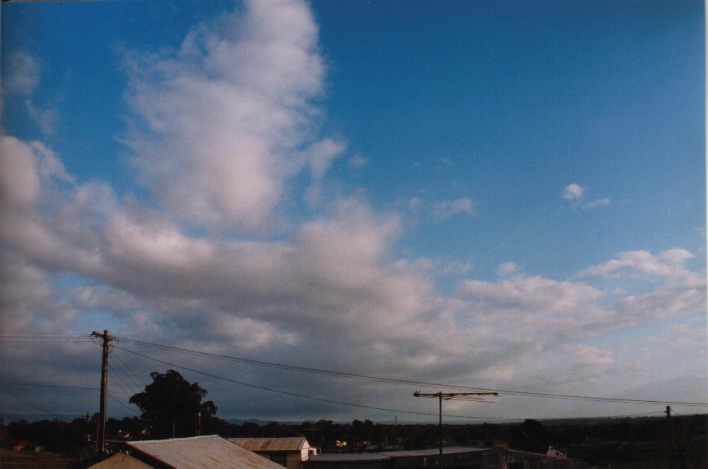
(202, 452)
(272, 444)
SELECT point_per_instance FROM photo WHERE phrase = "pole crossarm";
(454, 395)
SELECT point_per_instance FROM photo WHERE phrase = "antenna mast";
(448, 396)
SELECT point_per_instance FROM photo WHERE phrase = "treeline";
(78, 437)
(673, 437)
(530, 435)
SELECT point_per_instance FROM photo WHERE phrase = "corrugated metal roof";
(436, 451)
(122, 461)
(344, 457)
(272, 444)
(202, 452)
(349, 457)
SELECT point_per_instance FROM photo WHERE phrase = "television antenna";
(447, 396)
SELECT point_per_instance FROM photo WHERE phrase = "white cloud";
(228, 122)
(573, 192)
(679, 300)
(224, 119)
(333, 284)
(506, 269)
(24, 289)
(415, 203)
(320, 156)
(21, 81)
(46, 118)
(23, 74)
(358, 161)
(19, 180)
(669, 263)
(24, 169)
(582, 355)
(597, 203)
(535, 307)
(450, 208)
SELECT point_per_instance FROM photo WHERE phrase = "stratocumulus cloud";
(230, 247)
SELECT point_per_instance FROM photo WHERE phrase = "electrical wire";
(134, 377)
(31, 404)
(302, 396)
(42, 337)
(130, 375)
(407, 382)
(123, 404)
(124, 387)
(59, 386)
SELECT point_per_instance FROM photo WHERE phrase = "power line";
(123, 404)
(24, 338)
(124, 387)
(31, 404)
(134, 377)
(60, 386)
(41, 334)
(35, 336)
(302, 396)
(407, 382)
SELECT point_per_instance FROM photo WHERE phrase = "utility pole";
(669, 436)
(448, 396)
(101, 438)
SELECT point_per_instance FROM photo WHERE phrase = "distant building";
(289, 452)
(453, 458)
(556, 453)
(200, 452)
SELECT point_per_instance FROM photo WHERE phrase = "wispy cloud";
(450, 208)
(24, 74)
(358, 161)
(597, 203)
(575, 195)
(506, 269)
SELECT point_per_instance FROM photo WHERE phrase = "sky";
(315, 209)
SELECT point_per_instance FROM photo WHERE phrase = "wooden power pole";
(669, 436)
(101, 434)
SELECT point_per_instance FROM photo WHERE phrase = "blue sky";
(500, 195)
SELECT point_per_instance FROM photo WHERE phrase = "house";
(557, 453)
(289, 452)
(199, 452)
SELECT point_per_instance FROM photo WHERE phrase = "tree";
(172, 406)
